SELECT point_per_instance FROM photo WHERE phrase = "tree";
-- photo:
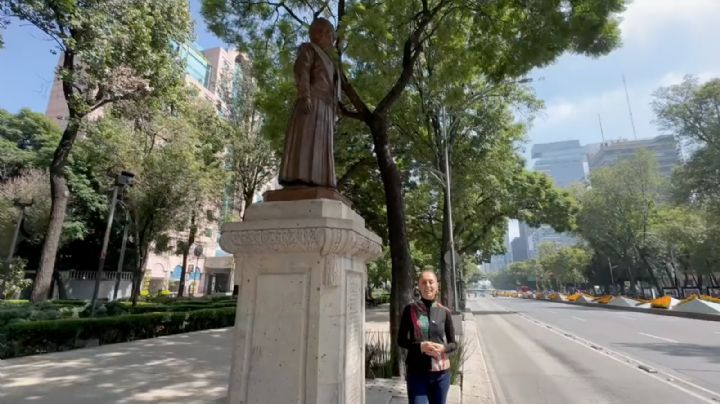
(27, 141)
(210, 137)
(111, 50)
(564, 265)
(689, 231)
(381, 43)
(251, 155)
(29, 186)
(617, 212)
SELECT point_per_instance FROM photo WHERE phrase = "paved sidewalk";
(185, 368)
(477, 387)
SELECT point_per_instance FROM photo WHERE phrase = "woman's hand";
(306, 104)
(432, 349)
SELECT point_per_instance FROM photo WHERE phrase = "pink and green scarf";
(421, 327)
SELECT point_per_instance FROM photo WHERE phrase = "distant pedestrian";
(426, 331)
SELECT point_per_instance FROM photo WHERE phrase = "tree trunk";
(247, 201)
(402, 267)
(447, 292)
(62, 290)
(186, 251)
(59, 194)
(651, 272)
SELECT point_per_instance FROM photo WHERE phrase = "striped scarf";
(421, 327)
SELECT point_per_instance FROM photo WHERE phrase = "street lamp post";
(123, 180)
(449, 211)
(121, 261)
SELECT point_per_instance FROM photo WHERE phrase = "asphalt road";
(530, 363)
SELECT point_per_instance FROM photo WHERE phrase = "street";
(534, 356)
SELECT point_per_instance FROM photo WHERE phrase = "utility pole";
(449, 212)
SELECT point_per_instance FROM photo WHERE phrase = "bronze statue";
(308, 154)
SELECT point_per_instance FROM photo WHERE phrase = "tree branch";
(411, 51)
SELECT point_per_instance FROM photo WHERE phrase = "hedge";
(28, 338)
(116, 308)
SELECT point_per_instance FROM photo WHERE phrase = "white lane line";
(627, 317)
(578, 318)
(669, 379)
(660, 338)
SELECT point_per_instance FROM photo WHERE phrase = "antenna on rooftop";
(627, 98)
(602, 132)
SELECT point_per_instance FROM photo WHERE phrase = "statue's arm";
(303, 64)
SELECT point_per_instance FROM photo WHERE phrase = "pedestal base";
(300, 318)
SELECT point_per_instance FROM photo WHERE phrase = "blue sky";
(662, 41)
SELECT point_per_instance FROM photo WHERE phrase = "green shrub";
(377, 355)
(14, 302)
(28, 338)
(69, 302)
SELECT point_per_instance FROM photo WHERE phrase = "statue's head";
(322, 33)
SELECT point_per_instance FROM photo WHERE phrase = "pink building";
(212, 271)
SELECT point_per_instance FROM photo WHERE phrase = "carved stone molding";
(331, 274)
(324, 240)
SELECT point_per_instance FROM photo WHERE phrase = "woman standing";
(426, 331)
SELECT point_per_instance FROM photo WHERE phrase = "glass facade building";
(196, 65)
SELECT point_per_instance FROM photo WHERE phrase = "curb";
(476, 388)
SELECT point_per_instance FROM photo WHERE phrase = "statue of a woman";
(308, 154)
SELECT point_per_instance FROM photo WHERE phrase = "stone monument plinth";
(299, 330)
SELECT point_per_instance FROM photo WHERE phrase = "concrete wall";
(83, 289)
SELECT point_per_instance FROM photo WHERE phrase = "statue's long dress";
(308, 154)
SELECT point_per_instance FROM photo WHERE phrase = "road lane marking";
(660, 338)
(626, 317)
(578, 318)
(669, 379)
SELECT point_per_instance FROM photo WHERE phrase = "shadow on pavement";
(187, 368)
(710, 353)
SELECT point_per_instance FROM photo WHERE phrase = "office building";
(565, 162)
(665, 148)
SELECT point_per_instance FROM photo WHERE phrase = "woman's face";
(428, 285)
(325, 37)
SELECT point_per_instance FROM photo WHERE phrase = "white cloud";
(577, 117)
(645, 20)
(673, 78)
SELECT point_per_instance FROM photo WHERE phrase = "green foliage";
(12, 277)
(117, 308)
(617, 212)
(121, 49)
(689, 111)
(28, 338)
(30, 186)
(27, 141)
(563, 266)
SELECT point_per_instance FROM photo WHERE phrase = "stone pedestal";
(299, 330)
